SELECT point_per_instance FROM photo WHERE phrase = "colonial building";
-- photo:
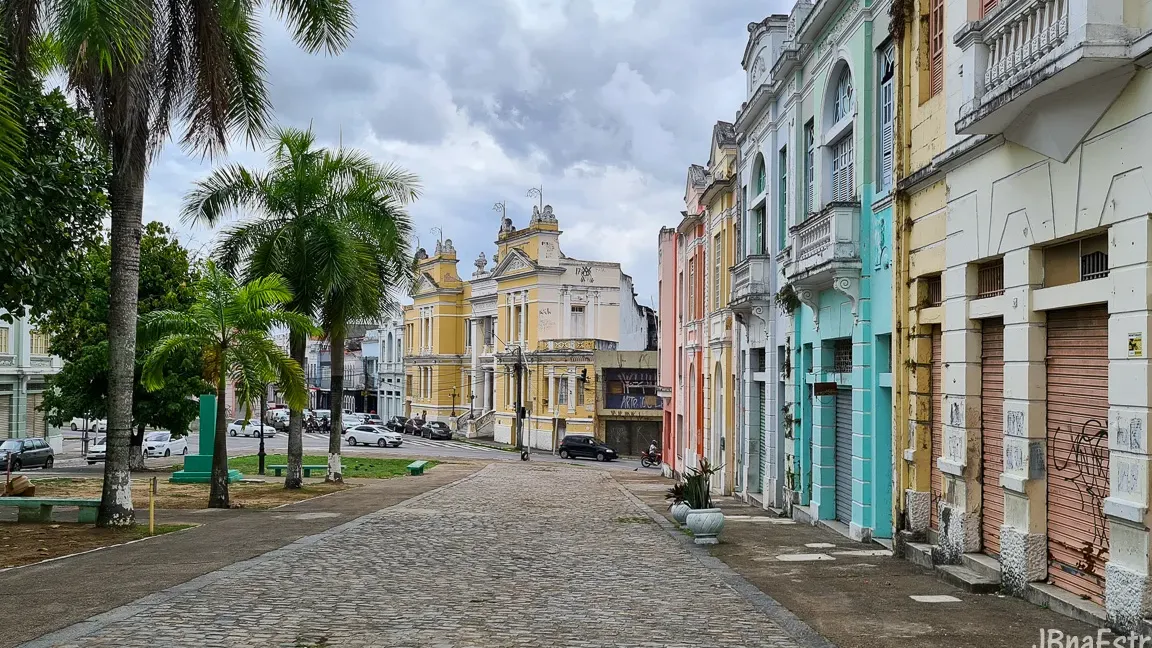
(1036, 387)
(25, 365)
(552, 316)
(383, 351)
(826, 164)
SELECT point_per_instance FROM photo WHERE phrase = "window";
(579, 392)
(760, 175)
(468, 333)
(887, 115)
(990, 279)
(936, 46)
(842, 165)
(692, 288)
(809, 167)
(782, 231)
(843, 105)
(4, 340)
(738, 226)
(717, 249)
(681, 300)
(1081, 260)
(577, 321)
(39, 343)
(933, 291)
(758, 246)
(562, 396)
(986, 6)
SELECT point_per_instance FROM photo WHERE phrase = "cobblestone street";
(517, 555)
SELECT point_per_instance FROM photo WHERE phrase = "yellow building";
(555, 316)
(921, 205)
(720, 219)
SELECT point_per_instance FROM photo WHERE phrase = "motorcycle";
(650, 459)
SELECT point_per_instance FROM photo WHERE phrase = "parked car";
(277, 418)
(372, 435)
(413, 425)
(583, 445)
(97, 450)
(161, 444)
(396, 423)
(26, 453)
(372, 419)
(92, 425)
(252, 428)
(436, 430)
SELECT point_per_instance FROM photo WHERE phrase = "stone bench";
(39, 509)
(277, 469)
(416, 468)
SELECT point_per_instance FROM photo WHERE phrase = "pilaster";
(823, 438)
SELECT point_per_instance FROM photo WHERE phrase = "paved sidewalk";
(64, 592)
(516, 555)
(858, 595)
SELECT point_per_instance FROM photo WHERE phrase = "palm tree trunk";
(335, 470)
(294, 476)
(136, 449)
(218, 494)
(127, 197)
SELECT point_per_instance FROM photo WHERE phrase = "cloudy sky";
(603, 102)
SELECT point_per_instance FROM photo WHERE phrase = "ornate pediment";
(424, 284)
(515, 262)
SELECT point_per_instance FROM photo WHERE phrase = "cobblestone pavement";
(516, 555)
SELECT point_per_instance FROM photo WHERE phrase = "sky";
(603, 103)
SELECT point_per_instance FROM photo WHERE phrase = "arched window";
(761, 175)
(843, 105)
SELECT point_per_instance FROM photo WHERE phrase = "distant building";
(383, 351)
(25, 365)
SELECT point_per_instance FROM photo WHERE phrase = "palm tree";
(139, 65)
(332, 223)
(229, 326)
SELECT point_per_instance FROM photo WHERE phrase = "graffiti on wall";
(1081, 454)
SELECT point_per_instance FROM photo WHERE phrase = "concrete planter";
(705, 524)
(680, 512)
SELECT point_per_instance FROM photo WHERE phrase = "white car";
(93, 425)
(97, 450)
(373, 435)
(161, 444)
(252, 428)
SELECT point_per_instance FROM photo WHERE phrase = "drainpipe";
(901, 229)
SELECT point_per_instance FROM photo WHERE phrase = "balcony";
(751, 281)
(576, 344)
(1056, 63)
(824, 243)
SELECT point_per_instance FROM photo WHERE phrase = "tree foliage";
(55, 207)
(80, 337)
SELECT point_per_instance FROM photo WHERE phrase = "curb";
(797, 630)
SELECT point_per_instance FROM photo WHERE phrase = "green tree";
(79, 335)
(139, 65)
(332, 223)
(55, 210)
(229, 326)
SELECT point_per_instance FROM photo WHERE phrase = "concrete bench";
(277, 469)
(416, 468)
(39, 509)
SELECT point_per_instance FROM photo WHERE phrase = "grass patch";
(633, 519)
(188, 496)
(25, 543)
(366, 467)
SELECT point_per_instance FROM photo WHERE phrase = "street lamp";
(453, 402)
(263, 411)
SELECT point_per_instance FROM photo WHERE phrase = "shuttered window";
(783, 191)
(809, 167)
(987, 6)
(843, 157)
(887, 115)
(936, 45)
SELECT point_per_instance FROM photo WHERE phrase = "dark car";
(26, 453)
(396, 423)
(413, 425)
(436, 430)
(583, 445)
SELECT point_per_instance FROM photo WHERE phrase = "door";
(759, 440)
(1077, 437)
(937, 424)
(35, 418)
(5, 415)
(844, 456)
(992, 431)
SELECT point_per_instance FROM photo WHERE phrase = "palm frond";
(152, 374)
(318, 24)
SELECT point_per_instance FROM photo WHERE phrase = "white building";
(383, 351)
(25, 365)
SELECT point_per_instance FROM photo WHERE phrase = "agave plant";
(676, 493)
(697, 490)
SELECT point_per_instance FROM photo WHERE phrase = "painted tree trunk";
(136, 449)
(294, 476)
(218, 493)
(335, 470)
(129, 162)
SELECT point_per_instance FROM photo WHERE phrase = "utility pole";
(519, 369)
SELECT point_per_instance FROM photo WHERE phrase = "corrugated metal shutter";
(937, 386)
(1077, 475)
(5, 416)
(34, 417)
(992, 417)
(844, 455)
(764, 454)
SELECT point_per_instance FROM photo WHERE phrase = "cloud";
(602, 102)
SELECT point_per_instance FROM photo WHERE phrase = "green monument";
(198, 467)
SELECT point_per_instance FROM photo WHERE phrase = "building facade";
(383, 351)
(1037, 377)
(25, 365)
(546, 313)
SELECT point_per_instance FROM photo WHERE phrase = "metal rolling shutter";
(844, 455)
(937, 387)
(1077, 431)
(37, 427)
(5, 416)
(766, 454)
(992, 416)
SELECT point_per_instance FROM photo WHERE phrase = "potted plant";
(679, 506)
(704, 521)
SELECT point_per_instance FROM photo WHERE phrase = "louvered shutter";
(988, 6)
(936, 45)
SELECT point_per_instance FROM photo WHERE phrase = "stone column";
(959, 463)
(508, 321)
(591, 320)
(487, 389)
(1128, 587)
(477, 342)
(524, 317)
(565, 312)
(1023, 543)
(552, 389)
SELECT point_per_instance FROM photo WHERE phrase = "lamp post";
(453, 414)
(263, 411)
